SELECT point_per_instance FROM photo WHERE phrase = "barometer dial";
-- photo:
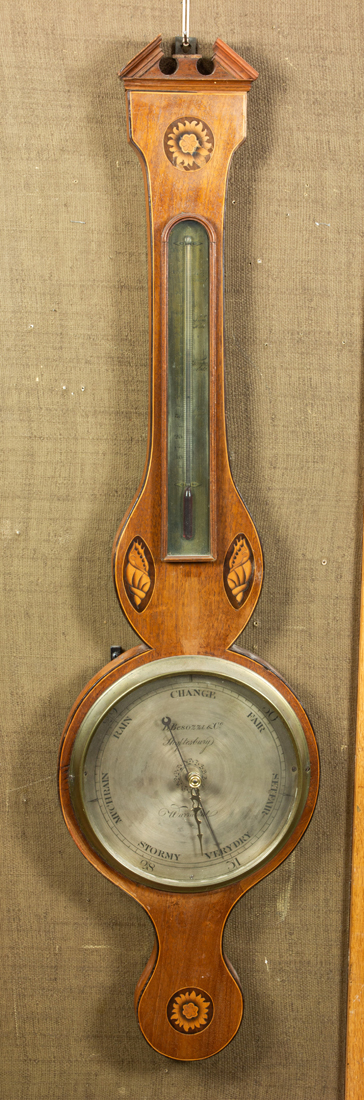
(189, 773)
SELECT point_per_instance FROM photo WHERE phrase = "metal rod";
(185, 22)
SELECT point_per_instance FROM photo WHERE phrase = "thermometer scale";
(188, 390)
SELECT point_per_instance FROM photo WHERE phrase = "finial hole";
(168, 65)
(205, 66)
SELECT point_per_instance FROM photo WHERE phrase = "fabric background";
(74, 426)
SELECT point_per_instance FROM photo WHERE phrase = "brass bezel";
(169, 667)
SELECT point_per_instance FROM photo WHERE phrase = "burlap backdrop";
(74, 402)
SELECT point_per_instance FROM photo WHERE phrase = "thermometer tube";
(188, 390)
(187, 524)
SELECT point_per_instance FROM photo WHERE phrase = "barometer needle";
(196, 806)
(214, 837)
(168, 725)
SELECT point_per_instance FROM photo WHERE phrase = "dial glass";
(189, 772)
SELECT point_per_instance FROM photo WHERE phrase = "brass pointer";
(194, 782)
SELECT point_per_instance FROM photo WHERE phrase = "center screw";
(194, 779)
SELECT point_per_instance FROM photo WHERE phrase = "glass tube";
(188, 390)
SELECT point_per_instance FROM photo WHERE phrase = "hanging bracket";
(185, 47)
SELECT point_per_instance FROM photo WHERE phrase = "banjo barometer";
(188, 769)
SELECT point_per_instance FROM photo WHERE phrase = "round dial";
(189, 773)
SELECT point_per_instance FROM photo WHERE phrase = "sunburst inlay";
(188, 143)
(190, 1010)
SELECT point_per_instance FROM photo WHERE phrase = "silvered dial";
(189, 772)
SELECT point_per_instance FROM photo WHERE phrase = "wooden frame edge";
(354, 1077)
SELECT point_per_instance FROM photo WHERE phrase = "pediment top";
(151, 65)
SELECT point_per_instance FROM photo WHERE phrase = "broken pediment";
(152, 68)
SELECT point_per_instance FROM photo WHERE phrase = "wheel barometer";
(188, 769)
